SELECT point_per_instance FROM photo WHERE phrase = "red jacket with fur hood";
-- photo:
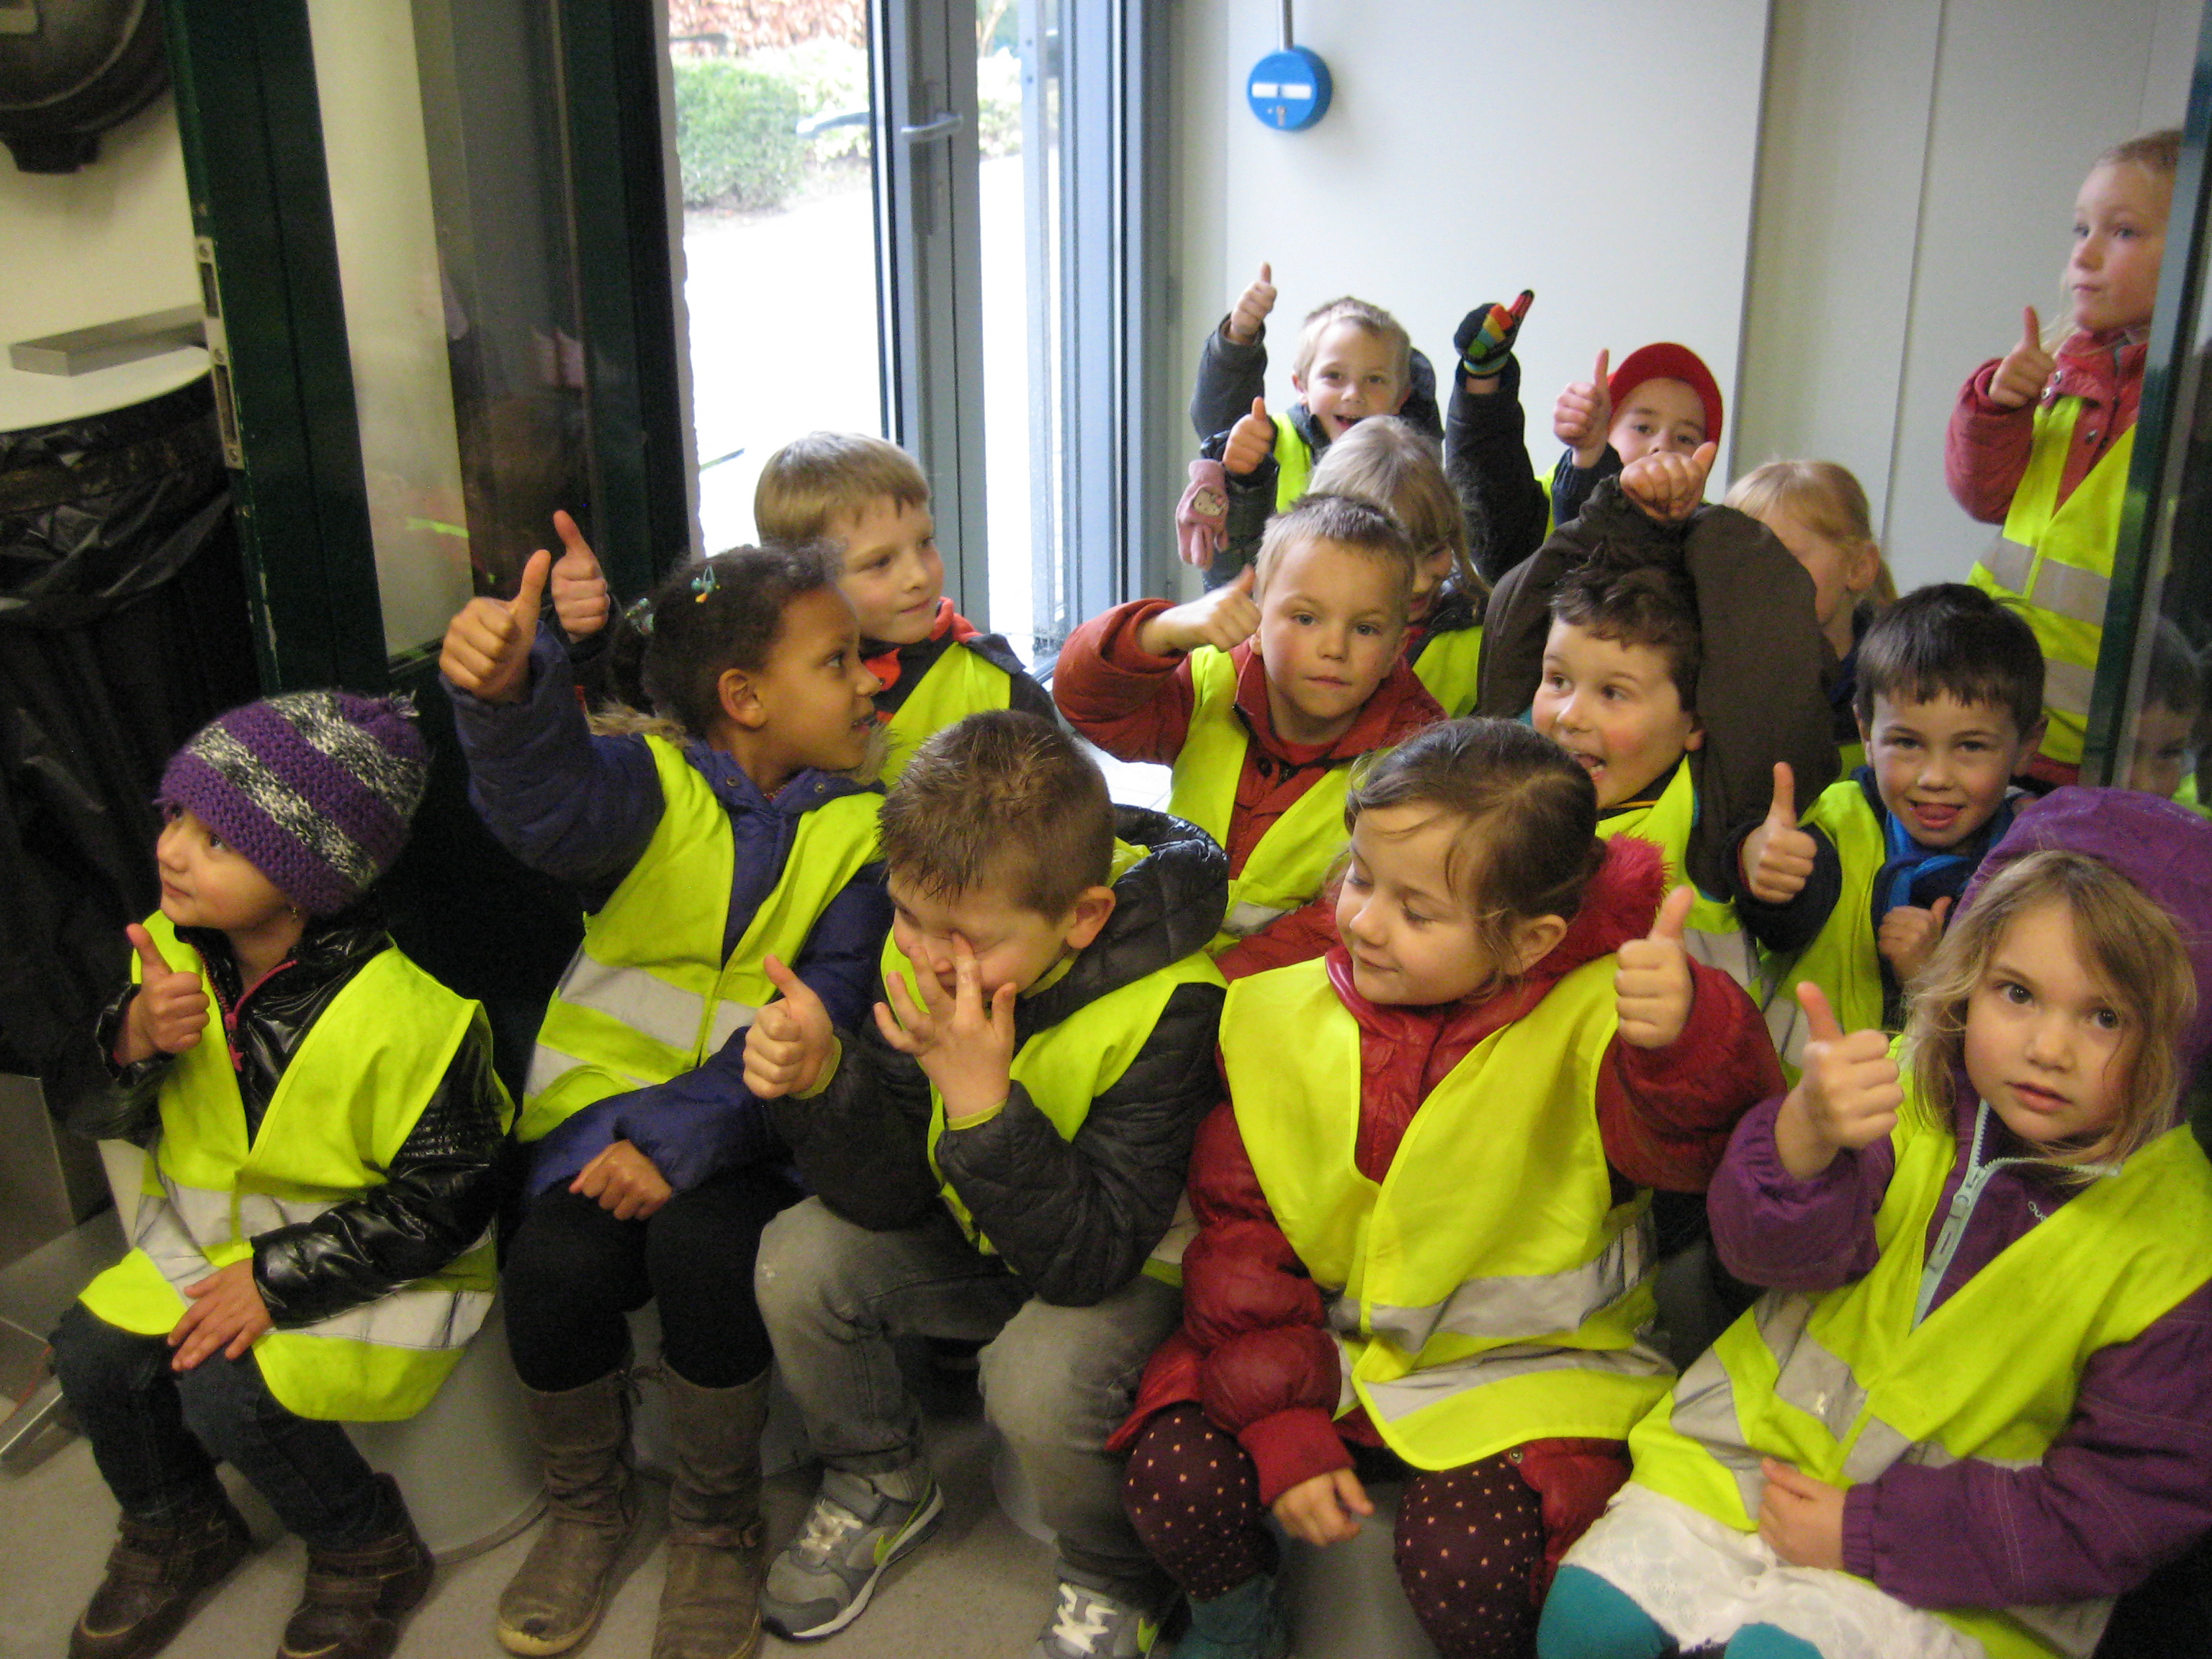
(1254, 1350)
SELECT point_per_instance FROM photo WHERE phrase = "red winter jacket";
(1986, 449)
(1254, 1349)
(1137, 707)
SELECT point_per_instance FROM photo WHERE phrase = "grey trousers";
(1056, 1381)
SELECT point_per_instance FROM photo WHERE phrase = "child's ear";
(1088, 916)
(2029, 744)
(739, 699)
(1697, 738)
(1534, 937)
(1404, 392)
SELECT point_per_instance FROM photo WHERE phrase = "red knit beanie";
(1665, 361)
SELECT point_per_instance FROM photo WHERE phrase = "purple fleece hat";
(2163, 849)
(314, 788)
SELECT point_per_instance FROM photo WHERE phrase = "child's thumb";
(531, 595)
(1702, 458)
(1604, 358)
(1784, 810)
(1259, 410)
(2031, 337)
(793, 988)
(1267, 273)
(149, 954)
(1245, 578)
(1820, 1022)
(1939, 909)
(1673, 915)
(572, 544)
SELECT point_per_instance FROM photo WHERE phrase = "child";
(1817, 510)
(2163, 736)
(2042, 444)
(1662, 400)
(729, 831)
(312, 1242)
(1974, 1405)
(1261, 695)
(994, 1158)
(1385, 461)
(1950, 700)
(1507, 510)
(1426, 1184)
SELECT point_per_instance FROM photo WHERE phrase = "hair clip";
(640, 615)
(703, 584)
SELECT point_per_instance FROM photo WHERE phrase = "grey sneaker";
(1087, 1625)
(823, 1579)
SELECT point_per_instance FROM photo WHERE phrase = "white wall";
(113, 239)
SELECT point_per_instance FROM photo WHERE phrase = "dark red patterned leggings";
(1468, 1543)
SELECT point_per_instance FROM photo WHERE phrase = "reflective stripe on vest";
(1293, 463)
(2056, 562)
(1713, 935)
(1448, 664)
(1467, 1319)
(1845, 1385)
(346, 1103)
(1842, 959)
(647, 994)
(1291, 860)
(1068, 1065)
(960, 682)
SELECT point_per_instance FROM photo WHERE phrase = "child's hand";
(1778, 856)
(579, 592)
(1252, 309)
(1909, 936)
(1652, 988)
(966, 1047)
(170, 1011)
(1325, 1510)
(1485, 340)
(226, 1315)
(2026, 368)
(1667, 486)
(789, 1042)
(487, 649)
(1584, 416)
(1801, 1519)
(1223, 618)
(1847, 1096)
(1202, 515)
(1251, 441)
(626, 1182)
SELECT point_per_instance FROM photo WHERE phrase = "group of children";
(1312, 1132)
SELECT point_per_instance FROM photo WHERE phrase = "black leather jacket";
(443, 1187)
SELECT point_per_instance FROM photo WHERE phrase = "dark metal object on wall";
(71, 71)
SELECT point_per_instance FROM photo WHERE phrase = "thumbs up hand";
(1223, 618)
(1584, 416)
(170, 1011)
(1778, 856)
(790, 1040)
(1250, 314)
(1652, 989)
(1670, 487)
(2026, 368)
(579, 592)
(1250, 440)
(1908, 935)
(1847, 1097)
(487, 648)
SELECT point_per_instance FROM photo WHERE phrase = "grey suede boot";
(582, 1436)
(710, 1608)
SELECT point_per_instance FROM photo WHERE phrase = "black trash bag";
(123, 629)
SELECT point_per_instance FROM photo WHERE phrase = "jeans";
(157, 1435)
(1056, 1381)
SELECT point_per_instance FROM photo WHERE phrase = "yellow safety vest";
(648, 994)
(1291, 860)
(2055, 562)
(1488, 1291)
(960, 682)
(346, 1103)
(1448, 664)
(1293, 463)
(1842, 959)
(1067, 1066)
(1713, 935)
(1846, 1384)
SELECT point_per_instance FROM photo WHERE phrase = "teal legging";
(1585, 1617)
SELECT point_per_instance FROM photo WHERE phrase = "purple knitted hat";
(314, 788)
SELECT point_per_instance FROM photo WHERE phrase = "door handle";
(937, 127)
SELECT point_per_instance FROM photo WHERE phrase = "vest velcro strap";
(1513, 1306)
(1246, 918)
(1402, 1397)
(643, 1002)
(2067, 686)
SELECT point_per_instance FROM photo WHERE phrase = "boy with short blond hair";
(998, 1157)
(1855, 897)
(1261, 695)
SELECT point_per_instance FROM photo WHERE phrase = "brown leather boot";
(582, 1436)
(354, 1599)
(710, 1608)
(155, 1573)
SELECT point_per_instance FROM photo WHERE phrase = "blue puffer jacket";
(582, 808)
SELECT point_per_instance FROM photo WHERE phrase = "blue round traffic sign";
(1289, 89)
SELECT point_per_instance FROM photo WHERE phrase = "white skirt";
(1702, 1582)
